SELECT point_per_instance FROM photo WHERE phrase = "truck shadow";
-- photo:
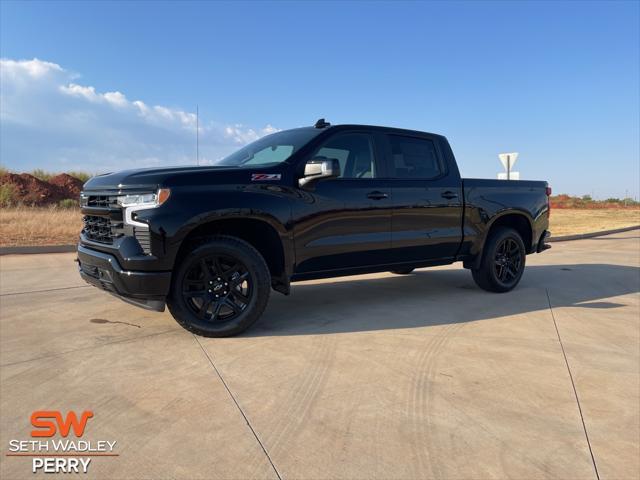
(439, 296)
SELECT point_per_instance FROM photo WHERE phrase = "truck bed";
(486, 199)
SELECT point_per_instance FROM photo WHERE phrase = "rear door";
(345, 222)
(427, 202)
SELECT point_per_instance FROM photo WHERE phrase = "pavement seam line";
(46, 290)
(246, 419)
(575, 391)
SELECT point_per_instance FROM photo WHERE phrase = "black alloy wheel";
(503, 261)
(220, 288)
(507, 260)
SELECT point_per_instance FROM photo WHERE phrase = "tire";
(220, 288)
(503, 261)
(403, 271)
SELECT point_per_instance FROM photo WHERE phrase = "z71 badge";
(260, 177)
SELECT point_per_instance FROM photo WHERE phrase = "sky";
(105, 86)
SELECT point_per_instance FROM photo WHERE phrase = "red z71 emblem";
(257, 177)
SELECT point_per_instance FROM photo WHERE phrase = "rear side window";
(414, 157)
(354, 152)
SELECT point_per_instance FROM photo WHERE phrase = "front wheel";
(503, 261)
(220, 288)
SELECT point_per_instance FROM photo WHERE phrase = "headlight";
(142, 201)
(145, 199)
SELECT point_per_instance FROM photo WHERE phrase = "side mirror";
(319, 168)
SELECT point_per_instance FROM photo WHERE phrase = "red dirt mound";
(29, 190)
(68, 185)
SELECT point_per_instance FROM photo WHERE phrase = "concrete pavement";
(375, 376)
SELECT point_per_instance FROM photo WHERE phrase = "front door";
(345, 222)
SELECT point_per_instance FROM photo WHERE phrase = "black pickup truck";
(323, 201)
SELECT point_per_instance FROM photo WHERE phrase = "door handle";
(449, 195)
(376, 195)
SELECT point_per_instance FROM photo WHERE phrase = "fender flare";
(285, 235)
(475, 262)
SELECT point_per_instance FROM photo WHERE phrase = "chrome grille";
(104, 223)
(101, 229)
(98, 229)
(102, 201)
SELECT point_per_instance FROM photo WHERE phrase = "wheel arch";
(265, 234)
(519, 220)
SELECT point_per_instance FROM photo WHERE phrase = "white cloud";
(242, 135)
(50, 120)
(88, 93)
(116, 98)
(33, 68)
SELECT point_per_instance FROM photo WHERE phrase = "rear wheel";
(503, 261)
(220, 289)
(402, 271)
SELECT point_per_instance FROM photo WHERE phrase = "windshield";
(270, 150)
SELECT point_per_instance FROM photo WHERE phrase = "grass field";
(39, 226)
(60, 226)
(573, 221)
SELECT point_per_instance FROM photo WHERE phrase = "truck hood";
(152, 178)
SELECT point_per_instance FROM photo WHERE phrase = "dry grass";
(39, 226)
(60, 226)
(574, 221)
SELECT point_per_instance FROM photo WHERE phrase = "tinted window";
(272, 149)
(354, 152)
(272, 154)
(413, 157)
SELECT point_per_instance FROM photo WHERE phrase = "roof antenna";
(322, 124)
(197, 136)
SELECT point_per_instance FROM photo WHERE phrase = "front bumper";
(143, 289)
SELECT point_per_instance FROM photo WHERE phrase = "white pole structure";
(508, 160)
(197, 136)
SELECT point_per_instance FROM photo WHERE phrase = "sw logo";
(42, 420)
(62, 454)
